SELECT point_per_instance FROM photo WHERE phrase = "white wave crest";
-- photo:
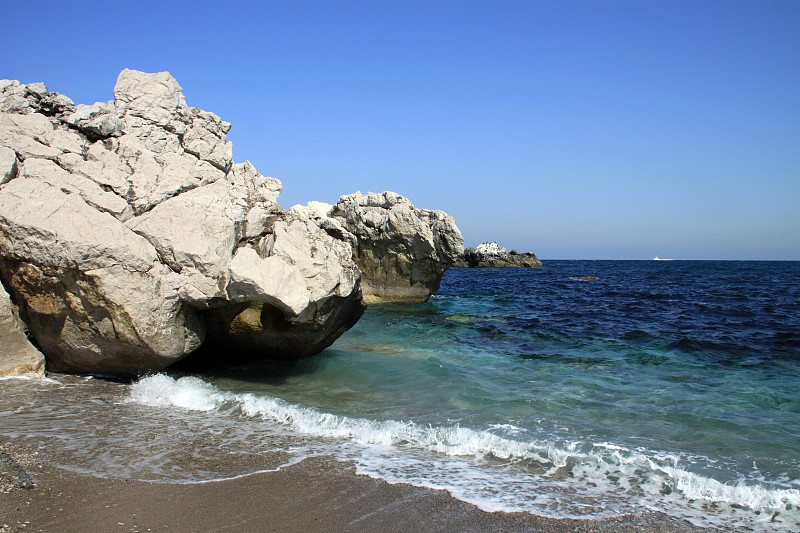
(599, 469)
(756, 497)
(38, 379)
(191, 393)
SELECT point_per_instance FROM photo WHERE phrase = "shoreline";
(316, 494)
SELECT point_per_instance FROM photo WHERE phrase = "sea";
(582, 389)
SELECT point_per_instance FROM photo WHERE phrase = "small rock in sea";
(492, 255)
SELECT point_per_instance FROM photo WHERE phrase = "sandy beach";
(316, 494)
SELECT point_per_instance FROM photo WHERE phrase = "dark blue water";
(699, 356)
(581, 389)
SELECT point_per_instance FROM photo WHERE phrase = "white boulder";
(401, 251)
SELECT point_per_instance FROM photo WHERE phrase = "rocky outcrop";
(492, 255)
(18, 357)
(129, 237)
(401, 251)
(307, 275)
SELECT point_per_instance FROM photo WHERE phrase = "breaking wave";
(501, 467)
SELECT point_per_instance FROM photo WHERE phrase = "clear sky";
(573, 129)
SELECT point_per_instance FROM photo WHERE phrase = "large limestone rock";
(401, 251)
(129, 237)
(492, 255)
(96, 296)
(18, 357)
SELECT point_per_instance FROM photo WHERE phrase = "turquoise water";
(670, 386)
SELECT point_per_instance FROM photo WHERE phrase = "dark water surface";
(665, 385)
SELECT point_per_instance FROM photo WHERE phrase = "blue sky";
(573, 129)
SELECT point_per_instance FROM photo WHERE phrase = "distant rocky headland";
(492, 255)
(129, 238)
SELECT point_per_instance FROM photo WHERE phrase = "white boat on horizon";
(656, 258)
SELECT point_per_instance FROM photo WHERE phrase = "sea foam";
(493, 469)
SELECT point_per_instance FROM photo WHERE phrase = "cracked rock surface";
(402, 251)
(129, 237)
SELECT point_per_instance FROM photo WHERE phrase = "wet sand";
(316, 494)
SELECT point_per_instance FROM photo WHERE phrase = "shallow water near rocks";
(669, 386)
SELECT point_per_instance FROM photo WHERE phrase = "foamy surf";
(501, 468)
(38, 379)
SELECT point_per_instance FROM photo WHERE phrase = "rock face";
(18, 356)
(307, 275)
(129, 237)
(492, 255)
(401, 251)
